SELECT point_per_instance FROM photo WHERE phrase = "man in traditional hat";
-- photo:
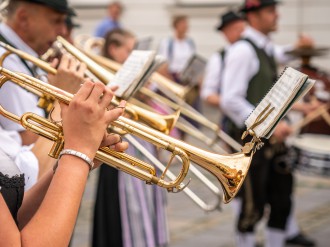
(231, 26)
(32, 26)
(250, 72)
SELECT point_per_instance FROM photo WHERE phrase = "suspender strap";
(3, 39)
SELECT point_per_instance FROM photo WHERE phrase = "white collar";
(10, 35)
(261, 40)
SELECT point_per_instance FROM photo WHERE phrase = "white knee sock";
(245, 240)
(275, 237)
(242, 239)
(292, 228)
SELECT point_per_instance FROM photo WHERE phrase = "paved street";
(190, 226)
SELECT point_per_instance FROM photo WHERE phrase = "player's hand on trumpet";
(86, 118)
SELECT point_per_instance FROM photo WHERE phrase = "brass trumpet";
(45, 101)
(230, 170)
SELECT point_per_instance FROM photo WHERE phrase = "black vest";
(258, 87)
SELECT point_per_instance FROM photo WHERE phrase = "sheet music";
(288, 89)
(132, 71)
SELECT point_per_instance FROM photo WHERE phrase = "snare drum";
(313, 153)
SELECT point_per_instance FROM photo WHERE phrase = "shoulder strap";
(170, 48)
(171, 44)
(191, 43)
(270, 59)
(3, 39)
(222, 54)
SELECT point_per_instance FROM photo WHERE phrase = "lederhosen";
(266, 181)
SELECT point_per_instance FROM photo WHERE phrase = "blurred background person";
(251, 69)
(32, 26)
(231, 27)
(111, 21)
(177, 49)
(127, 212)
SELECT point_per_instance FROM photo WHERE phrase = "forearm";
(41, 149)
(33, 199)
(9, 234)
(213, 99)
(60, 206)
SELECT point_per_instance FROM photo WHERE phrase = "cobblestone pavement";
(190, 226)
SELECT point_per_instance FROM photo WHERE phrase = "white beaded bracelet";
(80, 155)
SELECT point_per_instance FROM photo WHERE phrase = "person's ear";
(23, 17)
(113, 51)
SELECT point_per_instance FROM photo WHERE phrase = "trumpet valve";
(57, 147)
(46, 102)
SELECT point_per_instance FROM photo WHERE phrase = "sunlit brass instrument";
(230, 170)
(46, 102)
(157, 121)
(94, 66)
(106, 77)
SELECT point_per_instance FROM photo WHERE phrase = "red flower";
(252, 3)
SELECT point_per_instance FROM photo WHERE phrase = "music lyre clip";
(256, 142)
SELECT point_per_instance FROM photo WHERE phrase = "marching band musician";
(177, 49)
(232, 25)
(54, 201)
(127, 211)
(32, 26)
(249, 74)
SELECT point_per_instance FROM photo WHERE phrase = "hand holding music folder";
(291, 86)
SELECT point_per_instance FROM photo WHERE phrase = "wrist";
(79, 148)
(76, 154)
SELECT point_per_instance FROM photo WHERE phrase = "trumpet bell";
(231, 171)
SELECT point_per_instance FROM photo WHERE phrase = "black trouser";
(268, 182)
(107, 221)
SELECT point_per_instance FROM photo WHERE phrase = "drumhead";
(313, 143)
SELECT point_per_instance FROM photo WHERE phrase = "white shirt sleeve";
(24, 158)
(241, 65)
(212, 76)
(15, 99)
(28, 163)
(280, 53)
(163, 48)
